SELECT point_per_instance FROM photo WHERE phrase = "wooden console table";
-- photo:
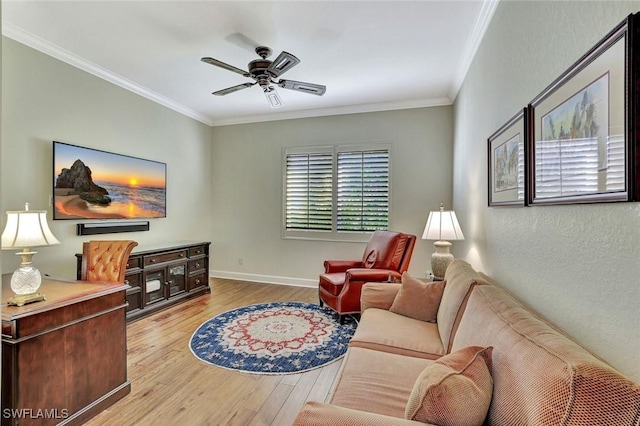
(164, 275)
(64, 359)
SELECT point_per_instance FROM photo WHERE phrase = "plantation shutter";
(363, 190)
(309, 191)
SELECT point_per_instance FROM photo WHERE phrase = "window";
(336, 192)
(363, 190)
(309, 197)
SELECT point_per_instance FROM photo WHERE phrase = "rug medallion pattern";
(273, 338)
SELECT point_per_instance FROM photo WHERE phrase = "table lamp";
(24, 230)
(441, 226)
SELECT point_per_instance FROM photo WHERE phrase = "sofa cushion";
(460, 278)
(378, 295)
(417, 299)
(540, 376)
(318, 414)
(377, 382)
(384, 331)
(454, 390)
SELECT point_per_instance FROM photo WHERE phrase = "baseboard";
(267, 279)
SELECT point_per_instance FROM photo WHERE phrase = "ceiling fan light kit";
(273, 97)
(264, 72)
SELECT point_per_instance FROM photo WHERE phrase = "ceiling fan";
(265, 73)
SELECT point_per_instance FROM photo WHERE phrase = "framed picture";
(506, 154)
(581, 131)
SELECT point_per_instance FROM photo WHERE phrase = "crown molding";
(20, 35)
(342, 110)
(472, 45)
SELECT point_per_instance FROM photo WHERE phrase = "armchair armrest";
(340, 265)
(366, 274)
(316, 413)
(378, 295)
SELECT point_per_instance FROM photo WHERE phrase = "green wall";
(44, 99)
(247, 188)
(576, 265)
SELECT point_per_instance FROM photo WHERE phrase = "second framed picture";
(581, 136)
(507, 165)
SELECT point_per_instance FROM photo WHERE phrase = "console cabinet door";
(177, 282)
(154, 285)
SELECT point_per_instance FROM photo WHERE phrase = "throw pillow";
(455, 390)
(417, 299)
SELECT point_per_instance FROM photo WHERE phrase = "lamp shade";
(26, 229)
(442, 225)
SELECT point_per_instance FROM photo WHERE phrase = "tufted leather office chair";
(105, 260)
(387, 255)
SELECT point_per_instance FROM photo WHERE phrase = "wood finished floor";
(169, 386)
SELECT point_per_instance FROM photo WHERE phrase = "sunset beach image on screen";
(94, 184)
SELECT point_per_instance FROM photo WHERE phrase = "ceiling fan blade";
(300, 86)
(283, 63)
(232, 89)
(221, 64)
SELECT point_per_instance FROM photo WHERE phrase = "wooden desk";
(64, 359)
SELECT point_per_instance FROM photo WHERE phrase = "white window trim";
(335, 236)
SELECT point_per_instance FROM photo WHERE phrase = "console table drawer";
(197, 251)
(165, 257)
(197, 265)
(133, 262)
(198, 281)
(133, 280)
(134, 300)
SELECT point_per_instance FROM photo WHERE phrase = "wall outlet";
(240, 261)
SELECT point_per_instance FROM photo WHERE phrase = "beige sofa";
(539, 376)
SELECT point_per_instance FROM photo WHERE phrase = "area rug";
(273, 338)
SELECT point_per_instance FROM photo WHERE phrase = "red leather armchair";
(387, 253)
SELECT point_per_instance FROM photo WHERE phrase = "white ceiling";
(371, 55)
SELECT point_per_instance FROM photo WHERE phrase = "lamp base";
(441, 259)
(23, 299)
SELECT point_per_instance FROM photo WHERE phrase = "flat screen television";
(93, 184)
